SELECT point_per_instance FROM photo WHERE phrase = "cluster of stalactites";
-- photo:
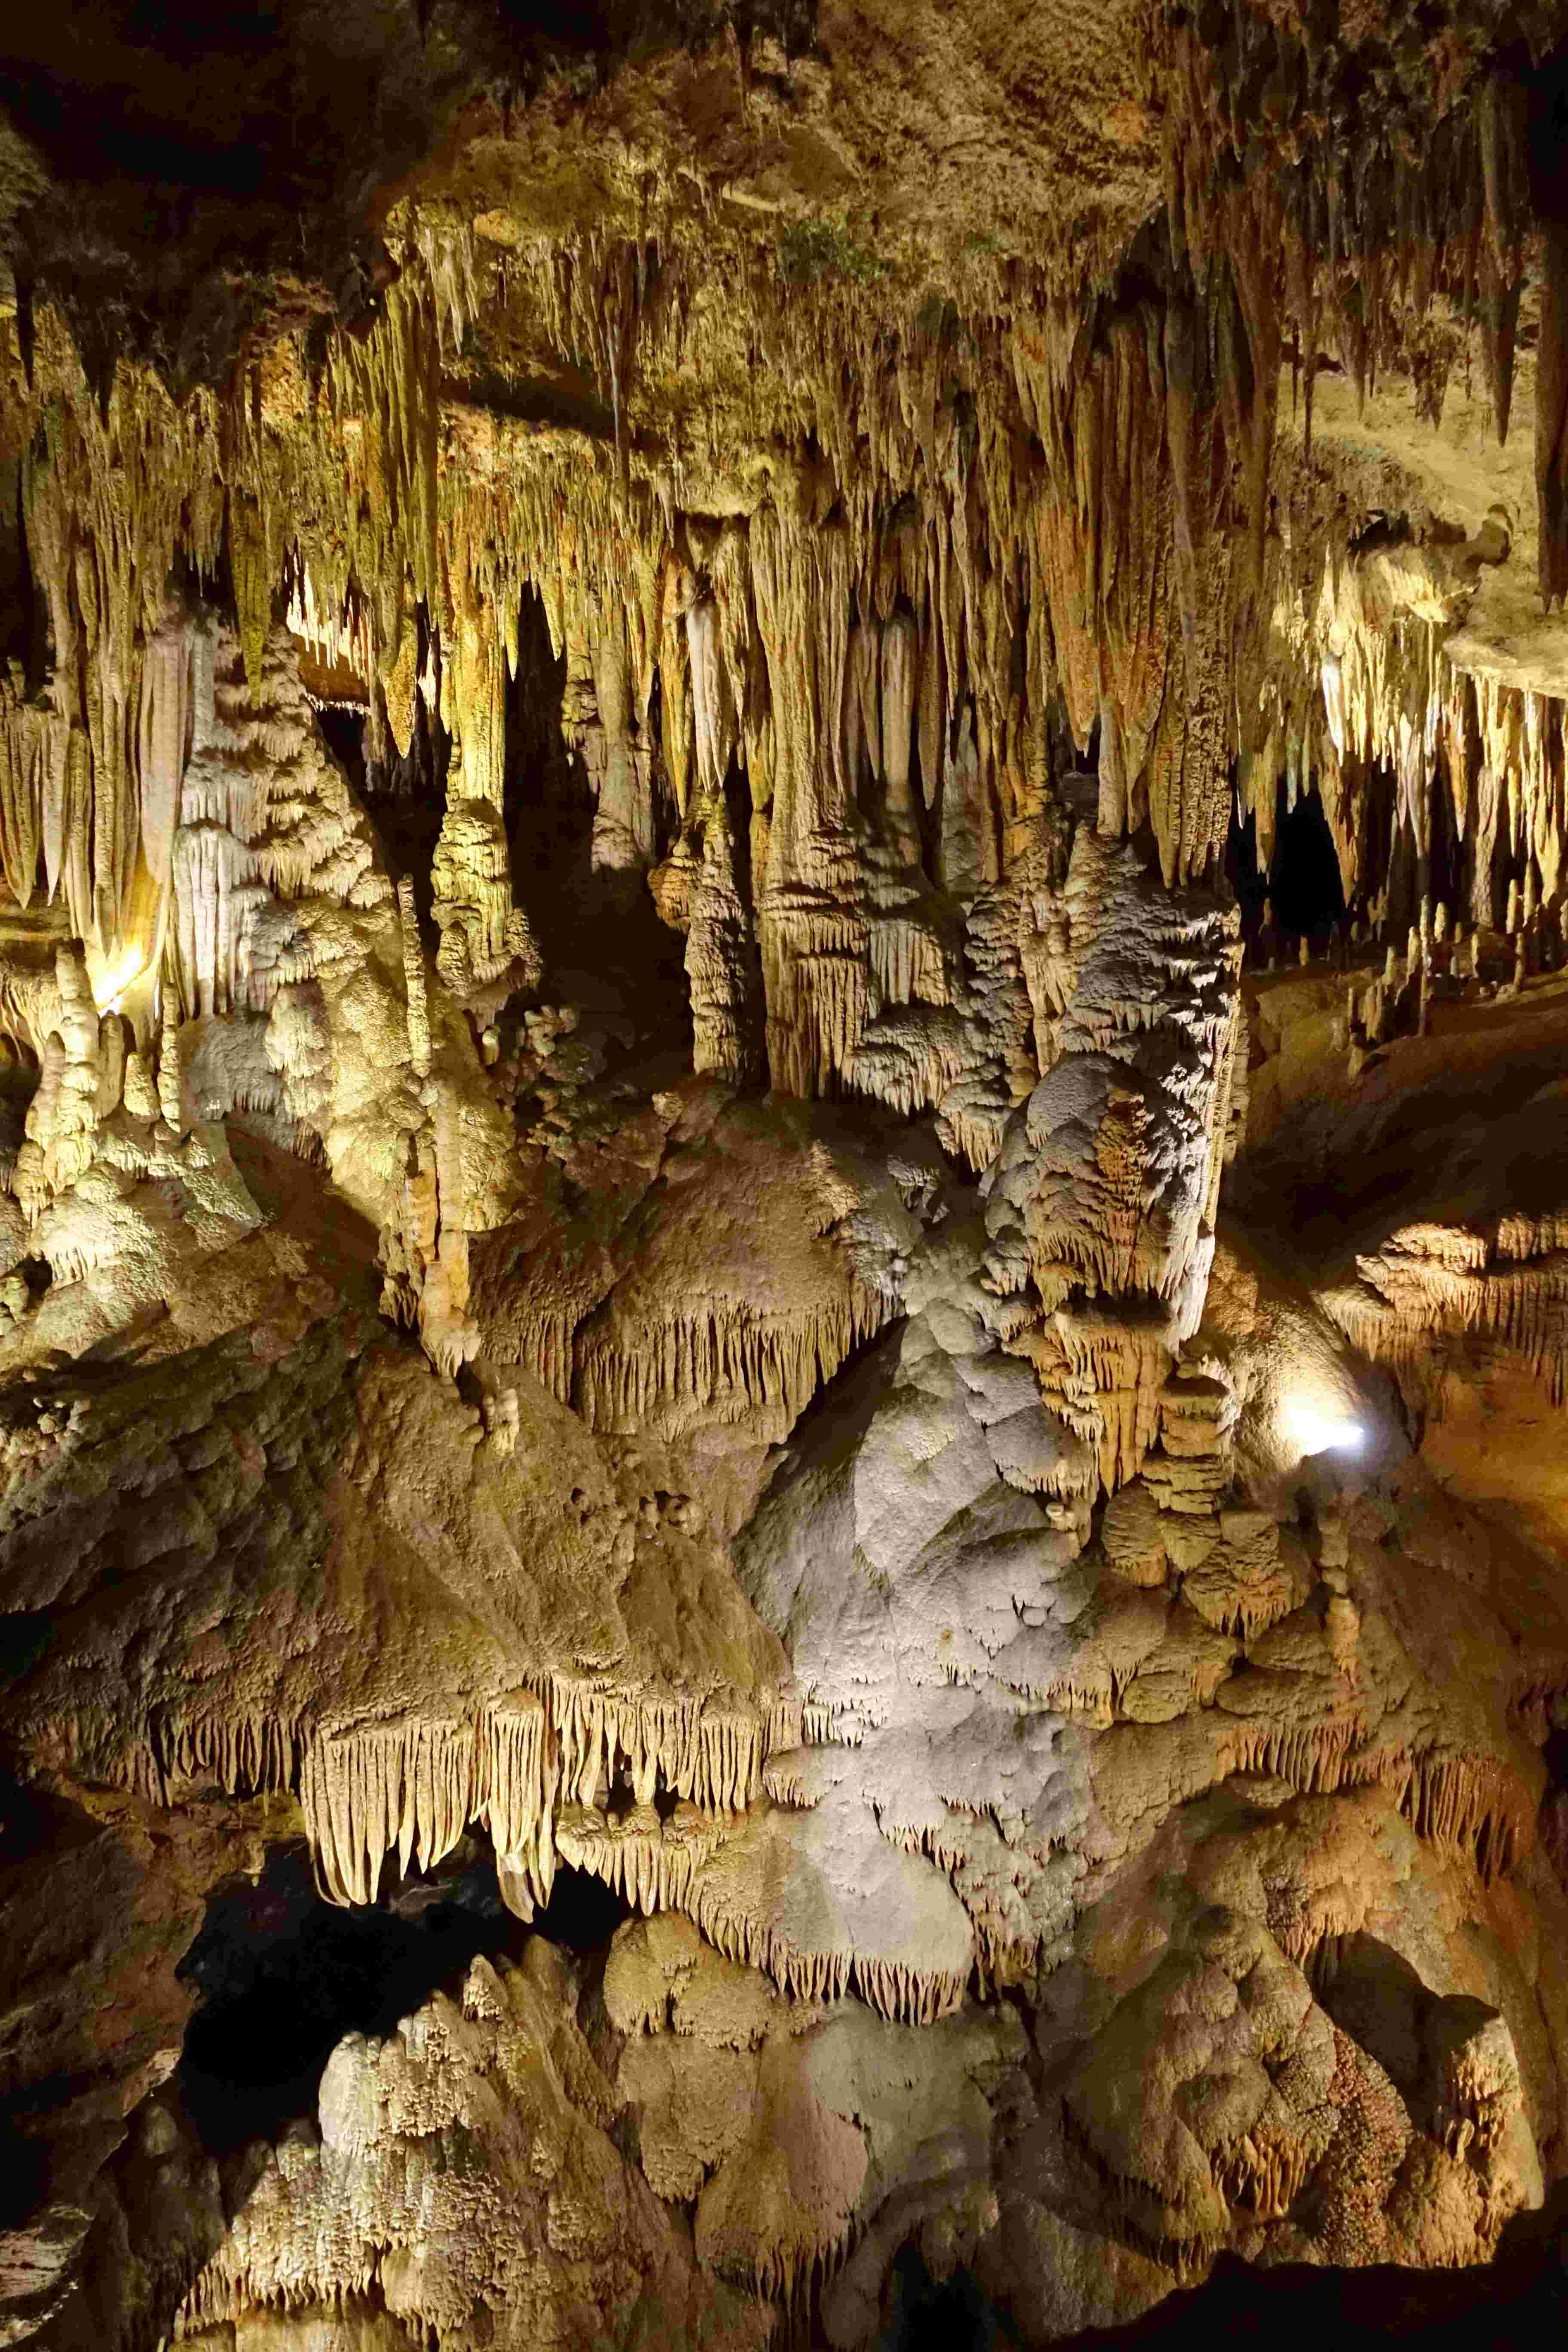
(818, 649)
(1068, 514)
(674, 1863)
(408, 1787)
(113, 490)
(724, 1362)
(1370, 206)
(1429, 1283)
(1358, 689)
(411, 1787)
(1472, 1805)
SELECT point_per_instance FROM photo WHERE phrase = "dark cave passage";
(282, 1976)
(1301, 894)
(925, 2314)
(403, 796)
(1520, 2295)
(1304, 887)
(582, 1913)
(1523, 2294)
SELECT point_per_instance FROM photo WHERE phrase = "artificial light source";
(112, 981)
(1316, 1431)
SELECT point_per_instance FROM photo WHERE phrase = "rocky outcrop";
(386, 2214)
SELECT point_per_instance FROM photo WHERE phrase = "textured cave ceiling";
(783, 1173)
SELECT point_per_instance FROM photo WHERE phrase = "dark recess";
(282, 1976)
(1301, 895)
(1521, 2296)
(582, 1913)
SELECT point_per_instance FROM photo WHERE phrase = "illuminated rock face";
(782, 976)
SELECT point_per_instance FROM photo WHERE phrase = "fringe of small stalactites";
(651, 1862)
(792, 2279)
(408, 1787)
(787, 1723)
(785, 1779)
(817, 1015)
(906, 962)
(245, 1754)
(1261, 2176)
(1473, 1806)
(972, 1117)
(725, 1358)
(660, 1865)
(546, 1347)
(1006, 1947)
(222, 2292)
(1346, 696)
(224, 2296)
(1120, 1379)
(907, 1995)
(412, 1786)
(1096, 1687)
(1435, 1283)
(167, 2279)
(826, 1723)
(1094, 1695)
(910, 1058)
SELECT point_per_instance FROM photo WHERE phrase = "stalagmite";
(375, 2199)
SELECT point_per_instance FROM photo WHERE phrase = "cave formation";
(783, 1243)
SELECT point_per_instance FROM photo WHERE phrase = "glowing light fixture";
(1316, 1430)
(110, 981)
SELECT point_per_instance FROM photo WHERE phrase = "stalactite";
(1359, 680)
(728, 1361)
(712, 704)
(618, 765)
(526, 1767)
(418, 1010)
(1471, 1805)
(677, 1864)
(1427, 1281)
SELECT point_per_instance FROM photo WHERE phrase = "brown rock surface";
(784, 895)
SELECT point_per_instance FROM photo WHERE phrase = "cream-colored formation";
(463, 2168)
(666, 1218)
